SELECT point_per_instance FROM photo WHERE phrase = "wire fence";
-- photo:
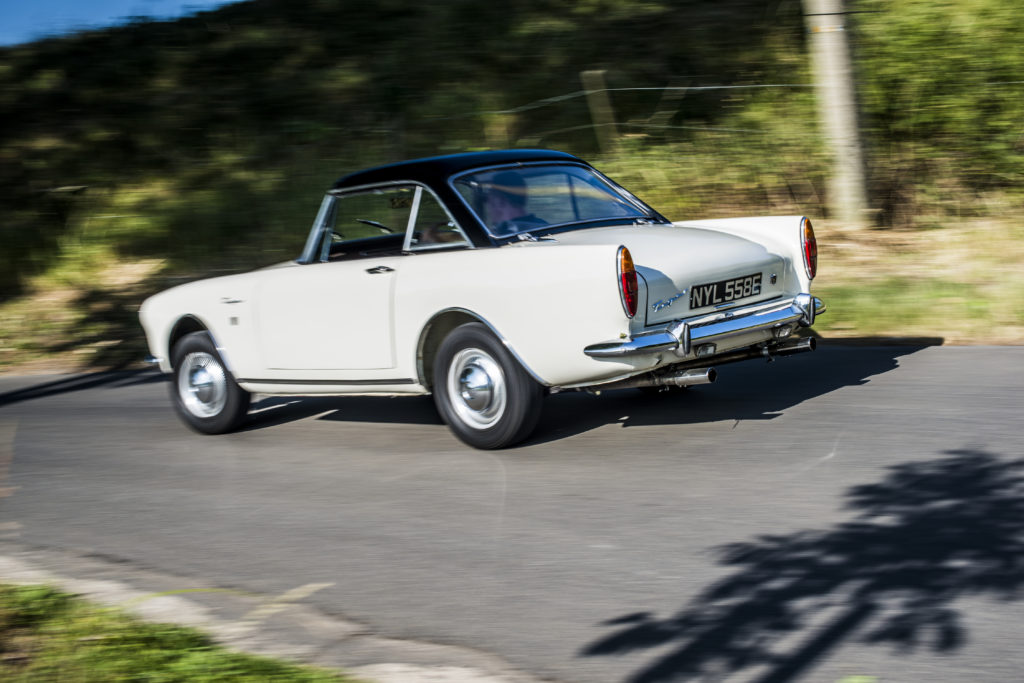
(587, 93)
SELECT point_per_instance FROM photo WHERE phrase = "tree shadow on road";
(930, 533)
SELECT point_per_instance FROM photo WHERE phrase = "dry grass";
(963, 283)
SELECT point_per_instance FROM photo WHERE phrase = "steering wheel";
(375, 224)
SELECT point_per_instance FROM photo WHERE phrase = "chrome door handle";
(376, 270)
(230, 300)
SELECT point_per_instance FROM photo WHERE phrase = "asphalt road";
(856, 511)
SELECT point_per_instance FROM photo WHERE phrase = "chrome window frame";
(323, 216)
(648, 212)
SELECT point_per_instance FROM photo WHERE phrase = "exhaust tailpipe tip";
(801, 345)
(689, 378)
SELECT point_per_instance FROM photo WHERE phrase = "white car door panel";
(328, 316)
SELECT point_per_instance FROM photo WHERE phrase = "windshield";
(509, 201)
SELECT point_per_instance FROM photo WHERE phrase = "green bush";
(942, 88)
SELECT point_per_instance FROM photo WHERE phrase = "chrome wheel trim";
(202, 384)
(476, 388)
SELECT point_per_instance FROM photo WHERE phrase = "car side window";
(375, 212)
(386, 221)
(434, 228)
(367, 223)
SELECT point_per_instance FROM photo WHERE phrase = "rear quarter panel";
(547, 301)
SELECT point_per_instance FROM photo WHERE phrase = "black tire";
(482, 392)
(204, 393)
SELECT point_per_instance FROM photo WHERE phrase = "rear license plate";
(724, 291)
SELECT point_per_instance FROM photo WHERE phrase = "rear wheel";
(204, 393)
(481, 391)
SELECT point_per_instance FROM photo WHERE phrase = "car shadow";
(277, 410)
(751, 390)
(754, 390)
(931, 532)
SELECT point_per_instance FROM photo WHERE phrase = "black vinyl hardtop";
(435, 171)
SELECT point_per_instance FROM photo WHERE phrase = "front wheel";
(204, 393)
(482, 393)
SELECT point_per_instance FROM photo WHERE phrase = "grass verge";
(961, 283)
(47, 635)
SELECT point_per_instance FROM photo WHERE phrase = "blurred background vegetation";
(140, 155)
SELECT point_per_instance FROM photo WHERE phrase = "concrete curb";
(274, 626)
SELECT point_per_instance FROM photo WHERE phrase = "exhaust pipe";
(682, 378)
(794, 346)
(686, 377)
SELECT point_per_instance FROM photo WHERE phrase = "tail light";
(628, 287)
(810, 247)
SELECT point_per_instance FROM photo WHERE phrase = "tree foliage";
(942, 86)
(207, 140)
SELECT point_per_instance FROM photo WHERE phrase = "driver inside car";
(505, 205)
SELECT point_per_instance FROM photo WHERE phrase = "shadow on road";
(277, 410)
(929, 533)
(67, 384)
(745, 391)
(752, 390)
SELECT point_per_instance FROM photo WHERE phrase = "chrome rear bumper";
(688, 336)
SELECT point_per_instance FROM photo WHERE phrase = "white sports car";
(489, 280)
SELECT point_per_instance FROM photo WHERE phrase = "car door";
(328, 316)
(334, 313)
(337, 312)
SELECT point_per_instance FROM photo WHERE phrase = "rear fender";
(544, 301)
(780, 234)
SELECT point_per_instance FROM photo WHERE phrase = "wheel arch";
(187, 324)
(439, 327)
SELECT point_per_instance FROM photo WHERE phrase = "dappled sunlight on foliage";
(942, 86)
(207, 142)
(204, 140)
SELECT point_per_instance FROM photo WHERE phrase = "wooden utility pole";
(601, 113)
(837, 107)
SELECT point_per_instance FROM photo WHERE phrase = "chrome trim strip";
(413, 215)
(315, 237)
(648, 342)
(328, 382)
(682, 336)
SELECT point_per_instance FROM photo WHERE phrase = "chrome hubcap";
(202, 384)
(476, 388)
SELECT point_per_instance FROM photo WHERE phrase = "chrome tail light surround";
(629, 288)
(809, 247)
